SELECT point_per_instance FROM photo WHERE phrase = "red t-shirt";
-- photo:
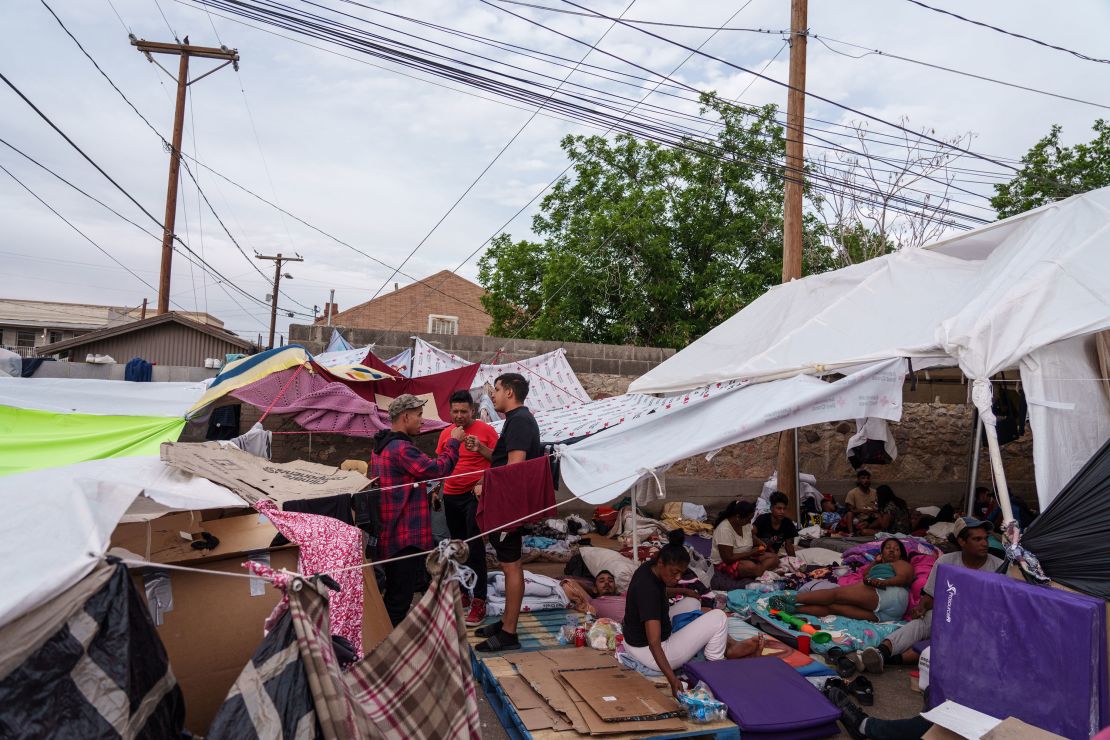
(469, 462)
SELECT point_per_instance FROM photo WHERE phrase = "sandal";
(863, 690)
(844, 665)
(489, 630)
(500, 642)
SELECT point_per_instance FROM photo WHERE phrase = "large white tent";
(1029, 293)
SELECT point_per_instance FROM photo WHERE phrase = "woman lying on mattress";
(882, 597)
(647, 622)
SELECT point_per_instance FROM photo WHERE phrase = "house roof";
(434, 283)
(171, 317)
(78, 316)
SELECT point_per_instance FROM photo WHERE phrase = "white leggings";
(709, 631)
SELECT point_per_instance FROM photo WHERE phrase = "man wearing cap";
(406, 519)
(972, 536)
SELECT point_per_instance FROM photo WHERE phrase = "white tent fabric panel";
(1048, 281)
(336, 358)
(553, 384)
(883, 308)
(602, 467)
(985, 299)
(100, 397)
(1069, 411)
(56, 518)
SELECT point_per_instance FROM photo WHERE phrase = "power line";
(497, 156)
(869, 51)
(813, 95)
(1011, 33)
(151, 126)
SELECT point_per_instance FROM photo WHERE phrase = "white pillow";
(598, 559)
(819, 555)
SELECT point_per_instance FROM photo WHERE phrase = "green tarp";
(30, 439)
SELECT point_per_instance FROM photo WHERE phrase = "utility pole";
(331, 302)
(184, 51)
(278, 259)
(792, 213)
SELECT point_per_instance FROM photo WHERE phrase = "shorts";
(509, 546)
(893, 601)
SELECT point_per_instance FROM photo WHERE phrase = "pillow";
(819, 555)
(598, 559)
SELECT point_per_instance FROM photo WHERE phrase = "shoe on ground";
(872, 660)
(498, 643)
(477, 613)
(851, 716)
(489, 630)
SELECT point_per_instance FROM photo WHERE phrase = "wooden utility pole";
(184, 51)
(792, 212)
(278, 259)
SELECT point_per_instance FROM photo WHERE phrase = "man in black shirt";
(519, 441)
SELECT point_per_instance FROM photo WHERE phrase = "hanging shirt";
(468, 461)
(520, 433)
(724, 534)
(515, 491)
(327, 545)
(646, 600)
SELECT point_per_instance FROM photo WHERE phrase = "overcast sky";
(376, 158)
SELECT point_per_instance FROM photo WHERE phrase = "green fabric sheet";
(30, 440)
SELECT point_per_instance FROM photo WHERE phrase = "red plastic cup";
(803, 644)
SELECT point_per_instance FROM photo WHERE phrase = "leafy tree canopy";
(1051, 172)
(647, 244)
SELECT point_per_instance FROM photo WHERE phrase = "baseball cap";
(970, 522)
(403, 403)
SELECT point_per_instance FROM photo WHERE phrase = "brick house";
(443, 303)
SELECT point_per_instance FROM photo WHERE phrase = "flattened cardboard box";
(254, 477)
(638, 728)
(215, 623)
(617, 693)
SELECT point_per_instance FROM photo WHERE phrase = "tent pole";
(635, 536)
(973, 463)
(797, 479)
(983, 395)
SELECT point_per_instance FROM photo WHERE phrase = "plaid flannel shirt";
(406, 517)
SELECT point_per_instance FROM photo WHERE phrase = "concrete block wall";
(600, 359)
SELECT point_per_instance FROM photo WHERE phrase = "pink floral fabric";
(327, 545)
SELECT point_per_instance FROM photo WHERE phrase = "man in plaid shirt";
(406, 520)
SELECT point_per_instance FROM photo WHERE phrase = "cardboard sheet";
(253, 477)
(598, 726)
(533, 711)
(617, 693)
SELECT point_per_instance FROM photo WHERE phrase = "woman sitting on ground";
(775, 527)
(647, 619)
(893, 516)
(882, 597)
(736, 552)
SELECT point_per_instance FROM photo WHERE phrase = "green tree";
(1051, 171)
(647, 244)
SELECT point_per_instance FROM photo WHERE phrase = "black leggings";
(461, 511)
(403, 579)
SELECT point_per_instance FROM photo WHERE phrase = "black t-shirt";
(646, 599)
(774, 538)
(520, 433)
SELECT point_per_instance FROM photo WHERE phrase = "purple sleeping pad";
(767, 698)
(1008, 648)
(700, 545)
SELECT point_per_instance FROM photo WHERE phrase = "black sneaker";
(851, 716)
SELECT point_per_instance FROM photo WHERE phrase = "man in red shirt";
(460, 499)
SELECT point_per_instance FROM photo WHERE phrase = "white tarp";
(338, 344)
(337, 358)
(985, 299)
(57, 521)
(600, 468)
(552, 382)
(11, 364)
(1068, 410)
(100, 397)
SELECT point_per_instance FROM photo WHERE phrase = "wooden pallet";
(535, 630)
(488, 671)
